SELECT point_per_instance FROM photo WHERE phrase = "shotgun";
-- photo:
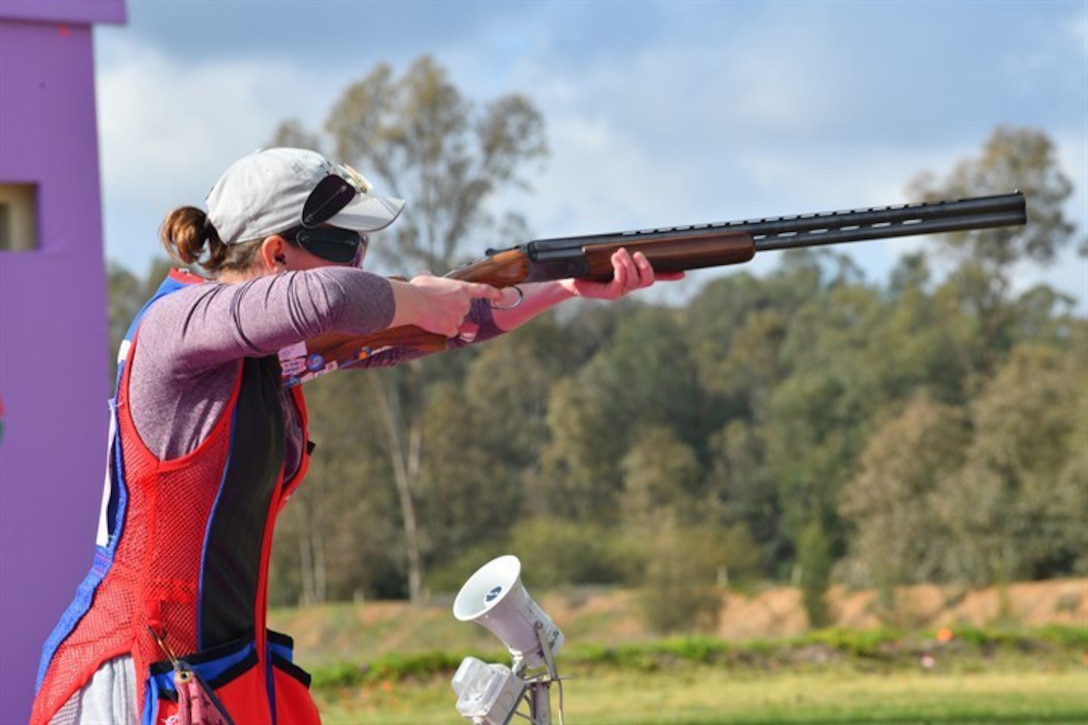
(672, 249)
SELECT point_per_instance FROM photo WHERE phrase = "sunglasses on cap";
(340, 246)
(332, 194)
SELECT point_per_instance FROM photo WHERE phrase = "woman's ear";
(273, 253)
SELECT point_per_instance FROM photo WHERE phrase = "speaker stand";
(540, 700)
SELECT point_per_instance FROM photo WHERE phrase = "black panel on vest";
(232, 556)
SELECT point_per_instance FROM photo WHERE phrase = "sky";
(658, 113)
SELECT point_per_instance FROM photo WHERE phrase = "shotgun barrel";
(835, 227)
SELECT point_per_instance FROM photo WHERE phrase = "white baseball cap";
(272, 190)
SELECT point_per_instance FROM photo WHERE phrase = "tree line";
(806, 425)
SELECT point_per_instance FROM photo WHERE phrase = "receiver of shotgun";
(674, 249)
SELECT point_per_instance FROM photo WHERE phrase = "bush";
(449, 577)
(389, 668)
(555, 552)
(856, 642)
(814, 556)
(679, 591)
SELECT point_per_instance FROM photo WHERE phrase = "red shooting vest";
(188, 553)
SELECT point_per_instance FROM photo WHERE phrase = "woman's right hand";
(437, 304)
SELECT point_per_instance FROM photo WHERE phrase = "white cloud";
(168, 127)
(702, 130)
(180, 123)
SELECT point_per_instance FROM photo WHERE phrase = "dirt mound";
(779, 612)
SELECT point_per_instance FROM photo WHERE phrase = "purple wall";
(83, 12)
(53, 337)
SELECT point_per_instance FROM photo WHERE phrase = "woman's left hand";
(629, 273)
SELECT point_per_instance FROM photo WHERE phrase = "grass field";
(834, 676)
(699, 694)
(378, 663)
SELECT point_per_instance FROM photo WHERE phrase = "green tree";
(555, 552)
(485, 448)
(736, 327)
(745, 493)
(468, 494)
(820, 412)
(1017, 507)
(450, 157)
(444, 153)
(126, 297)
(660, 474)
(679, 591)
(337, 538)
(893, 503)
(741, 559)
(579, 478)
(508, 385)
(926, 342)
(644, 377)
(652, 373)
(814, 559)
(986, 260)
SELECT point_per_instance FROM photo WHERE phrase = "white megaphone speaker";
(495, 598)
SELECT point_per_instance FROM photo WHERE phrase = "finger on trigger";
(486, 291)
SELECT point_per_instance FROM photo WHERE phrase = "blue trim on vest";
(211, 670)
(115, 512)
(150, 712)
(118, 502)
(208, 528)
(161, 685)
(281, 650)
(103, 559)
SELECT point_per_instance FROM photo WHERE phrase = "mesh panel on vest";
(186, 499)
(152, 575)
